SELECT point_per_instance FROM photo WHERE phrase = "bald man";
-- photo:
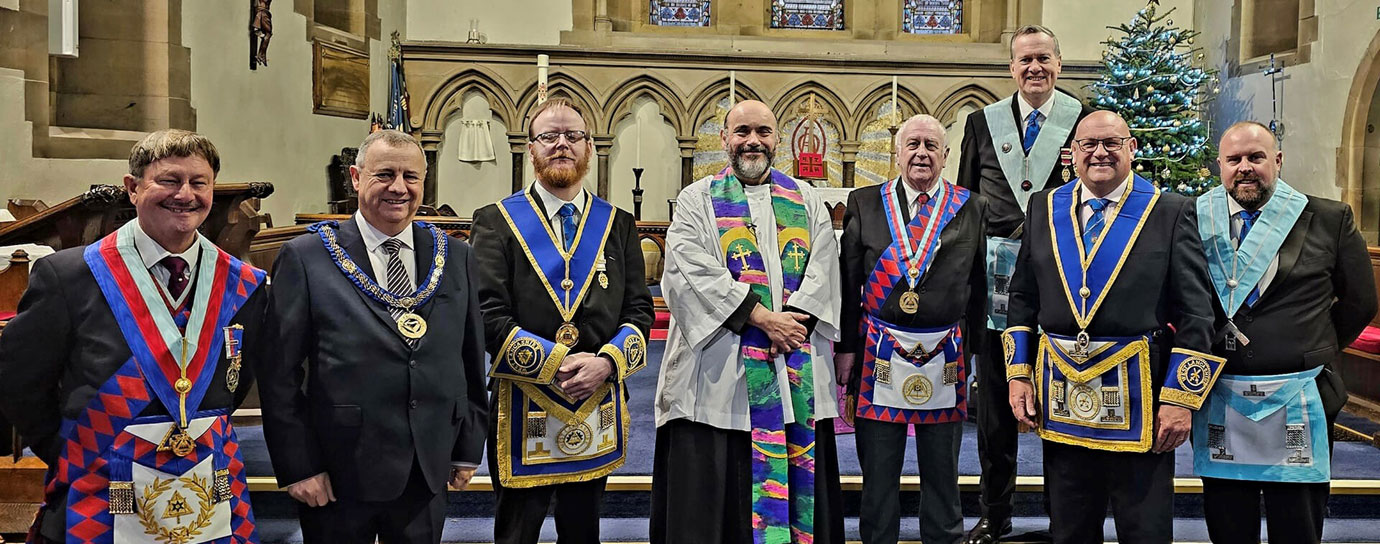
(1293, 285)
(1107, 348)
(745, 397)
(913, 286)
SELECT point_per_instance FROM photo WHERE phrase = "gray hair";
(921, 118)
(388, 136)
(172, 142)
(1032, 29)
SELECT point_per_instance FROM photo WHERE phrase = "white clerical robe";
(702, 375)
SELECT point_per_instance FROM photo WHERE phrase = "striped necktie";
(398, 282)
(1032, 130)
(1095, 223)
(568, 226)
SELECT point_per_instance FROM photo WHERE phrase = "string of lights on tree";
(1151, 77)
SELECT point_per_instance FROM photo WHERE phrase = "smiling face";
(1250, 164)
(921, 150)
(172, 197)
(749, 138)
(1035, 65)
(1101, 170)
(561, 164)
(389, 183)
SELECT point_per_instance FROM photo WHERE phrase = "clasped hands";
(786, 330)
(1172, 423)
(581, 373)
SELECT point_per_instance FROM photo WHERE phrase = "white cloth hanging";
(476, 144)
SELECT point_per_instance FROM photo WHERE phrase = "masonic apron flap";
(1097, 394)
(166, 498)
(1265, 428)
(545, 437)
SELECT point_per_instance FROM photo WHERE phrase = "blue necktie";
(568, 227)
(1248, 218)
(1032, 129)
(1095, 223)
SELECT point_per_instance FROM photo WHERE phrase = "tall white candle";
(732, 87)
(639, 141)
(895, 106)
(543, 64)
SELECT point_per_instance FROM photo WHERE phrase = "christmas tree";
(1150, 77)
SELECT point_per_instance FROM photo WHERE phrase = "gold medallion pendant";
(411, 325)
(603, 280)
(910, 302)
(568, 335)
(232, 376)
(178, 442)
(917, 390)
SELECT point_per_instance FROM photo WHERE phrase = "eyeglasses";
(572, 136)
(1089, 145)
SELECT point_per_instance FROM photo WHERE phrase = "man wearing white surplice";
(751, 280)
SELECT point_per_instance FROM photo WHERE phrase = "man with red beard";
(566, 314)
(1292, 281)
(744, 404)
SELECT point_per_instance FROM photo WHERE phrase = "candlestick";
(732, 87)
(637, 193)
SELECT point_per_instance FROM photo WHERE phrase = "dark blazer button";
(1250, 354)
(412, 404)
(412, 363)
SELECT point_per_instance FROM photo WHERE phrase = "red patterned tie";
(920, 202)
(177, 279)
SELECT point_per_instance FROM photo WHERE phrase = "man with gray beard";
(745, 442)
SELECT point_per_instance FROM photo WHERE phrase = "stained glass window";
(807, 14)
(679, 12)
(932, 16)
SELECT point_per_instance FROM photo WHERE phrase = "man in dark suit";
(923, 223)
(566, 313)
(1012, 149)
(1293, 286)
(149, 323)
(1112, 275)
(376, 317)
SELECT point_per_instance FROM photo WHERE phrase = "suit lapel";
(1289, 253)
(353, 243)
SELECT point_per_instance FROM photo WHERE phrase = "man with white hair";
(913, 283)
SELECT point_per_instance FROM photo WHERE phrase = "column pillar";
(603, 143)
(517, 144)
(850, 161)
(687, 159)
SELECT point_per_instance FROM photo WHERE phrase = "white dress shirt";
(151, 253)
(1235, 210)
(553, 204)
(910, 195)
(1109, 213)
(378, 256)
(1026, 108)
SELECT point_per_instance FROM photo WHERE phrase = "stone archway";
(1358, 171)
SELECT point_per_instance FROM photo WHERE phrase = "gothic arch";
(620, 102)
(842, 116)
(872, 101)
(968, 94)
(707, 96)
(448, 98)
(566, 85)
(1351, 152)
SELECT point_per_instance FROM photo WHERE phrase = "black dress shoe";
(988, 531)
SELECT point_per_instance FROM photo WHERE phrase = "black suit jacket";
(954, 289)
(65, 343)
(512, 294)
(1164, 281)
(1319, 301)
(980, 171)
(343, 393)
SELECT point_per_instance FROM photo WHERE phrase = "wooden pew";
(1360, 369)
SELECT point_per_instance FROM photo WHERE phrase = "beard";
(1254, 196)
(751, 169)
(561, 176)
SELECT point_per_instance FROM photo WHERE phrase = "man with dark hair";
(566, 313)
(1293, 285)
(373, 362)
(1011, 150)
(126, 359)
(744, 406)
(1108, 264)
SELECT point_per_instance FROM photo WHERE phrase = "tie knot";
(922, 200)
(1098, 204)
(1250, 216)
(1033, 118)
(175, 265)
(392, 246)
(567, 210)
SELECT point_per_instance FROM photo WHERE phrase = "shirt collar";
(373, 238)
(151, 252)
(1026, 108)
(553, 203)
(1115, 196)
(1233, 207)
(909, 195)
